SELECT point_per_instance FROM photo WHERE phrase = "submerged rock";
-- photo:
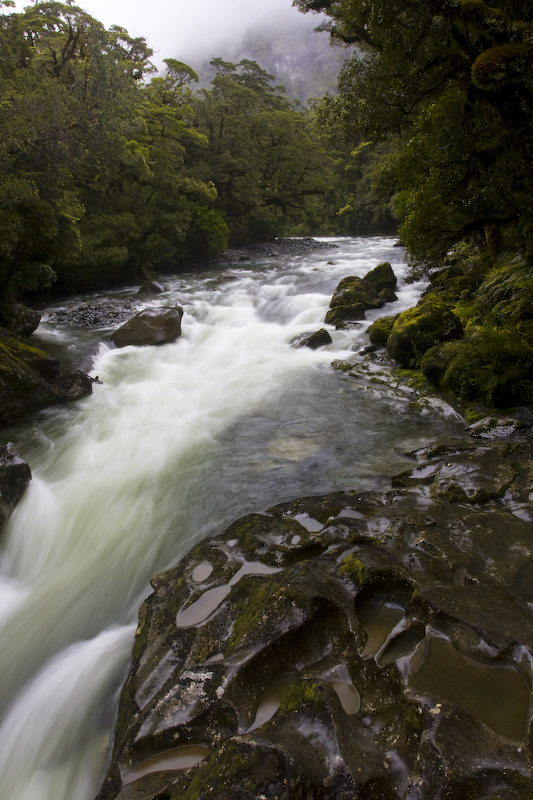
(341, 646)
(31, 378)
(150, 326)
(15, 476)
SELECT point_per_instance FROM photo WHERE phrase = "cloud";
(182, 28)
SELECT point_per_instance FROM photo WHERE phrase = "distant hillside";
(301, 59)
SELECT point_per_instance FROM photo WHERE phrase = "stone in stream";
(150, 326)
(15, 476)
(390, 634)
(353, 296)
(314, 340)
(152, 287)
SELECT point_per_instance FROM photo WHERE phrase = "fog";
(183, 29)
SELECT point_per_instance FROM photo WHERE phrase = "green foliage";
(266, 162)
(449, 86)
(98, 183)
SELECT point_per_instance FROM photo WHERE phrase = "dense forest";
(110, 172)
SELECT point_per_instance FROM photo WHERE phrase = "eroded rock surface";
(345, 646)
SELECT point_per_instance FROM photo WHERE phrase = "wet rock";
(348, 645)
(150, 326)
(31, 378)
(382, 277)
(97, 314)
(418, 329)
(15, 476)
(380, 330)
(19, 319)
(319, 338)
(152, 287)
(353, 296)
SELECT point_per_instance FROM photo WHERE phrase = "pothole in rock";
(378, 616)
(178, 759)
(270, 699)
(498, 696)
(209, 601)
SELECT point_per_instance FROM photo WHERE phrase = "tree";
(263, 156)
(450, 84)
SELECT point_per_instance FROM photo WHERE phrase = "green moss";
(352, 567)
(255, 600)
(412, 719)
(419, 328)
(382, 276)
(380, 330)
(298, 696)
(491, 367)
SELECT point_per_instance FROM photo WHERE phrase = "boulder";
(15, 476)
(419, 328)
(382, 277)
(319, 338)
(19, 319)
(150, 326)
(380, 330)
(353, 296)
(30, 378)
(152, 287)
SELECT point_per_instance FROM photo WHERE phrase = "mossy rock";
(380, 330)
(488, 366)
(31, 378)
(382, 277)
(419, 328)
(341, 316)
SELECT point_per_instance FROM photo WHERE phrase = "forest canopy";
(109, 172)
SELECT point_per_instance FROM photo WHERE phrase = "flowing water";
(174, 444)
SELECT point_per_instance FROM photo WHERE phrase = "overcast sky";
(179, 28)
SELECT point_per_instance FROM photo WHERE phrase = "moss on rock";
(419, 328)
(382, 276)
(380, 330)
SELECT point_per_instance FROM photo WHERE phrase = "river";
(174, 444)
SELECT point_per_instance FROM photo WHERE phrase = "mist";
(191, 30)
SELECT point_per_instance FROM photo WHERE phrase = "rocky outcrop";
(31, 378)
(15, 476)
(150, 326)
(353, 296)
(348, 645)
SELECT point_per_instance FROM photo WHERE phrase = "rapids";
(174, 444)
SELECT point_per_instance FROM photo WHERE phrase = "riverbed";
(174, 443)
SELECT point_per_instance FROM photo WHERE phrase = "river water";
(174, 444)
